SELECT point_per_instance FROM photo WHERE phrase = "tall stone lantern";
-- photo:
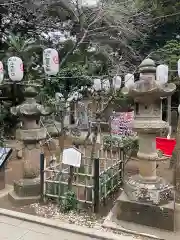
(147, 198)
(27, 190)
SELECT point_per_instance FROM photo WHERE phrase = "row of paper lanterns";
(51, 68)
(16, 69)
(116, 83)
(161, 77)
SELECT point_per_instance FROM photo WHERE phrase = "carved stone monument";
(148, 199)
(27, 190)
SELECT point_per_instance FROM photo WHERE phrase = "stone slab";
(161, 217)
(112, 223)
(21, 201)
(6, 190)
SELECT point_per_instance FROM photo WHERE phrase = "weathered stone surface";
(21, 201)
(146, 214)
(31, 135)
(19, 153)
(153, 192)
(27, 187)
(2, 178)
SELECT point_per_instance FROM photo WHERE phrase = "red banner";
(165, 145)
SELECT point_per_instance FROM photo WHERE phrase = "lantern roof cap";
(147, 66)
(30, 108)
(30, 92)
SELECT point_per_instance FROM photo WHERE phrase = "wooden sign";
(72, 156)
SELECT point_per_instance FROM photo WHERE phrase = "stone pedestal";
(161, 217)
(26, 191)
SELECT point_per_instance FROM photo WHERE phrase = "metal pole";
(96, 186)
(169, 110)
(42, 175)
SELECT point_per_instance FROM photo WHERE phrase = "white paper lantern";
(117, 82)
(1, 72)
(162, 73)
(178, 66)
(75, 96)
(106, 84)
(15, 69)
(58, 96)
(51, 61)
(97, 84)
(129, 80)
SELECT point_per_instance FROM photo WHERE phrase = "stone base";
(21, 201)
(27, 187)
(157, 192)
(161, 217)
(6, 190)
(26, 191)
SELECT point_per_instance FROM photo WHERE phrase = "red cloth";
(165, 145)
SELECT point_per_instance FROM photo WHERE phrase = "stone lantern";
(27, 189)
(147, 198)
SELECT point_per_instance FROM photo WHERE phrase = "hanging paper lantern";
(1, 72)
(117, 82)
(106, 84)
(15, 69)
(97, 84)
(162, 74)
(51, 61)
(178, 65)
(58, 96)
(129, 80)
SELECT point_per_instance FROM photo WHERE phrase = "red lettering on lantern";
(1, 67)
(22, 67)
(56, 60)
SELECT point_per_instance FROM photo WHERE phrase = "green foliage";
(169, 54)
(28, 49)
(69, 202)
(123, 102)
(109, 182)
(69, 79)
(128, 143)
(165, 24)
(7, 121)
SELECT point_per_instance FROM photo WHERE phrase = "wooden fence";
(92, 183)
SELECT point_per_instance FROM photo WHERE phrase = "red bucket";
(165, 145)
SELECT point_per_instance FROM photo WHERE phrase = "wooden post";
(70, 180)
(42, 175)
(96, 186)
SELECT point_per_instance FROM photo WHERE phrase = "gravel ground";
(81, 218)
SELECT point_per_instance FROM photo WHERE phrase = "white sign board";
(72, 157)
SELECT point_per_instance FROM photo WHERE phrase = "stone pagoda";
(27, 190)
(148, 199)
